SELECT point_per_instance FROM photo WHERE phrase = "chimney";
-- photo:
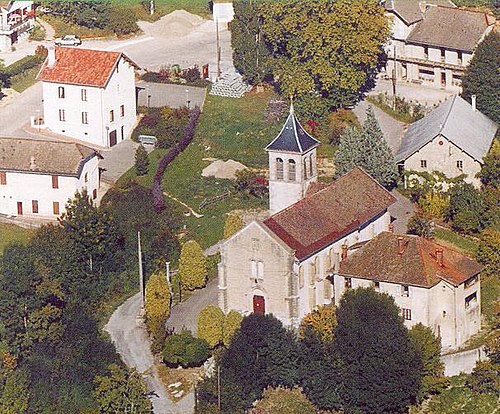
(401, 245)
(32, 163)
(439, 256)
(51, 57)
(391, 228)
(343, 255)
(473, 102)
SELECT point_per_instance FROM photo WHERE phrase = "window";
(459, 57)
(279, 169)
(471, 300)
(376, 286)
(460, 165)
(86, 177)
(122, 110)
(34, 206)
(291, 170)
(83, 94)
(310, 166)
(55, 208)
(405, 290)
(55, 181)
(423, 163)
(62, 115)
(85, 119)
(94, 194)
(406, 314)
(60, 92)
(347, 282)
(3, 178)
(111, 116)
(256, 269)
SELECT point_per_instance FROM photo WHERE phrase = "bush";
(231, 325)
(283, 400)
(251, 184)
(37, 34)
(192, 266)
(421, 226)
(141, 161)
(211, 325)
(157, 306)
(434, 204)
(233, 224)
(184, 350)
(466, 209)
(339, 121)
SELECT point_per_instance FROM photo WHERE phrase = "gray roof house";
(453, 138)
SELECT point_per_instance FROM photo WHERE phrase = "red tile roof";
(330, 214)
(380, 260)
(84, 67)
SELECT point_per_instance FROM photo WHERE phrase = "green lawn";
(465, 244)
(10, 233)
(24, 80)
(63, 27)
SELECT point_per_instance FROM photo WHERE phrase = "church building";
(280, 265)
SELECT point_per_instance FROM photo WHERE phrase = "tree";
(492, 346)
(283, 400)
(122, 391)
(192, 266)
(262, 354)
(421, 226)
(466, 209)
(122, 20)
(490, 170)
(373, 344)
(488, 251)
(481, 77)
(211, 325)
(322, 321)
(184, 350)
(485, 378)
(233, 224)
(429, 348)
(367, 148)
(157, 306)
(249, 50)
(141, 161)
(232, 324)
(331, 47)
(16, 393)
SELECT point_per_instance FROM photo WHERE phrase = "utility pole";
(141, 274)
(218, 48)
(169, 282)
(394, 74)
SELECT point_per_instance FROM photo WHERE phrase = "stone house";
(452, 139)
(89, 95)
(38, 177)
(16, 18)
(280, 265)
(432, 284)
(432, 42)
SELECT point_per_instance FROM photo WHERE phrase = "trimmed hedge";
(24, 64)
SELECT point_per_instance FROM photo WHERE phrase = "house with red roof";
(280, 265)
(89, 95)
(432, 284)
(16, 19)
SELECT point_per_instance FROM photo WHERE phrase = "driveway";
(175, 96)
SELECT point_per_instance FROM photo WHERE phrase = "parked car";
(68, 40)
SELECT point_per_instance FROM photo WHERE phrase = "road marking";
(132, 42)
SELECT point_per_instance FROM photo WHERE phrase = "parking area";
(156, 95)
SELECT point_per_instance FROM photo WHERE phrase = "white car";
(68, 40)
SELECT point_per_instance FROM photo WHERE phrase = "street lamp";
(187, 98)
(148, 91)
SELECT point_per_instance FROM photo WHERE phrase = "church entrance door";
(259, 304)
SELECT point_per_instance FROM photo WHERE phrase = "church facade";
(281, 265)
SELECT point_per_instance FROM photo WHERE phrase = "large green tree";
(249, 50)
(366, 148)
(380, 366)
(466, 208)
(482, 77)
(333, 48)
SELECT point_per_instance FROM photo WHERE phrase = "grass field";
(10, 234)
(448, 237)
(24, 80)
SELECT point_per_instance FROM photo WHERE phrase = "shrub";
(339, 121)
(141, 161)
(210, 325)
(420, 226)
(485, 378)
(192, 266)
(466, 209)
(184, 350)
(231, 325)
(232, 225)
(37, 33)
(434, 204)
(190, 74)
(157, 306)
(283, 400)
(251, 184)
(322, 321)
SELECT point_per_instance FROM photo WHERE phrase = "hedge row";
(24, 64)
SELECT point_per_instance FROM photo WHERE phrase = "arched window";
(279, 169)
(291, 170)
(304, 169)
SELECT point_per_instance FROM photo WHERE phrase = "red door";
(112, 138)
(19, 208)
(259, 304)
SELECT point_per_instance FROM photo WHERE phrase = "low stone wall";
(463, 361)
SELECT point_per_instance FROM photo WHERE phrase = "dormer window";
(291, 170)
(279, 169)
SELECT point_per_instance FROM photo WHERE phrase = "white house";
(89, 95)
(433, 41)
(452, 139)
(280, 265)
(16, 18)
(432, 284)
(38, 177)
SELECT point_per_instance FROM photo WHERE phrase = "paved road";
(393, 130)
(401, 210)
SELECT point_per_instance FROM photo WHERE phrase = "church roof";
(320, 219)
(455, 119)
(292, 137)
(408, 260)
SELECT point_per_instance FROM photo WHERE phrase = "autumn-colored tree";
(157, 309)
(211, 325)
(231, 325)
(192, 266)
(333, 48)
(322, 321)
(233, 223)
